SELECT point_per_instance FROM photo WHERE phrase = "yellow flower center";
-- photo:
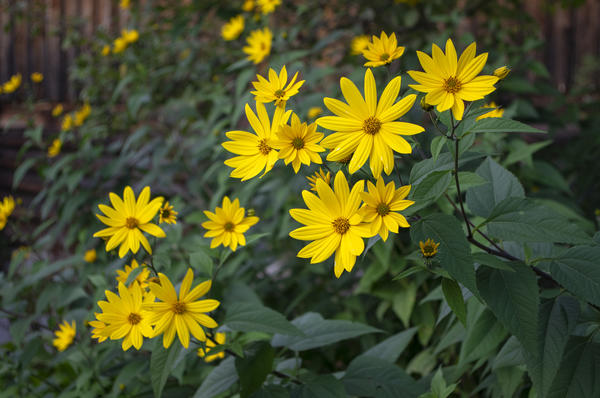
(229, 226)
(263, 147)
(298, 143)
(341, 225)
(134, 318)
(371, 125)
(383, 209)
(452, 85)
(279, 93)
(384, 57)
(179, 307)
(131, 222)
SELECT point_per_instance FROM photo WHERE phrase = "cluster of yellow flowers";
(263, 6)
(7, 205)
(11, 85)
(128, 36)
(73, 120)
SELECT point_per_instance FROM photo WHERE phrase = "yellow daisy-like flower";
(57, 110)
(13, 84)
(124, 316)
(248, 5)
(428, 248)
(275, 88)
(167, 214)
(334, 224)
(105, 50)
(268, 6)
(141, 278)
(90, 256)
(82, 114)
(127, 219)
(497, 112)
(366, 128)
(233, 29)
(381, 204)
(299, 143)
(7, 206)
(119, 45)
(382, 50)
(130, 35)
(124, 4)
(314, 111)
(37, 77)
(319, 175)
(255, 150)
(183, 315)
(358, 44)
(67, 123)
(259, 45)
(219, 339)
(228, 224)
(54, 148)
(64, 335)
(448, 82)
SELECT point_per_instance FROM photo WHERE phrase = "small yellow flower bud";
(425, 106)
(251, 212)
(502, 72)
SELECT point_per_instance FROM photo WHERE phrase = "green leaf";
(133, 274)
(521, 151)
(408, 272)
(202, 262)
(21, 170)
(319, 332)
(484, 334)
(502, 184)
(322, 386)
(577, 270)
(454, 253)
(391, 348)
(252, 317)
(444, 162)
(254, 367)
(492, 261)
(219, 380)
(430, 189)
(500, 125)
(271, 391)
(579, 373)
(162, 363)
(454, 298)
(437, 144)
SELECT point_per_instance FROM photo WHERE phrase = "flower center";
(384, 57)
(134, 318)
(131, 222)
(429, 251)
(179, 307)
(229, 226)
(452, 85)
(345, 160)
(166, 213)
(263, 147)
(298, 143)
(279, 93)
(341, 225)
(371, 125)
(383, 209)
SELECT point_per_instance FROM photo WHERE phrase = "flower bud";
(425, 106)
(502, 72)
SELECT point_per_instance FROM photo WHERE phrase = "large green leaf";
(454, 298)
(162, 363)
(445, 161)
(579, 373)
(577, 270)
(252, 317)
(320, 332)
(484, 334)
(391, 348)
(430, 189)
(219, 380)
(500, 125)
(254, 367)
(322, 386)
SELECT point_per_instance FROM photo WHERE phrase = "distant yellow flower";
(275, 88)
(90, 255)
(429, 248)
(105, 50)
(64, 336)
(3, 221)
(167, 214)
(127, 219)
(298, 143)
(37, 77)
(359, 43)
(449, 82)
(227, 225)
(218, 340)
(233, 29)
(259, 45)
(82, 114)
(248, 5)
(255, 151)
(54, 149)
(12, 85)
(319, 175)
(124, 4)
(7, 205)
(314, 111)
(497, 112)
(57, 110)
(130, 35)
(382, 50)
(67, 123)
(183, 315)
(268, 6)
(119, 45)
(502, 72)
(141, 278)
(333, 222)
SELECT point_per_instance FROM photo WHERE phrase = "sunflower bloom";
(268, 6)
(57, 110)
(382, 50)
(233, 29)
(105, 50)
(90, 256)
(37, 77)
(210, 343)
(448, 82)
(275, 88)
(82, 114)
(183, 315)
(381, 204)
(54, 148)
(259, 45)
(167, 214)
(248, 5)
(255, 150)
(358, 44)
(124, 316)
(428, 248)
(366, 128)
(64, 335)
(67, 123)
(314, 111)
(228, 224)
(141, 278)
(319, 175)
(127, 219)
(333, 222)
(496, 112)
(13, 84)
(299, 143)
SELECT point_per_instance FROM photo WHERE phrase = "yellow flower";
(130, 35)
(105, 50)
(333, 223)
(183, 315)
(233, 29)
(382, 50)
(7, 206)
(268, 6)
(90, 255)
(449, 82)
(299, 143)
(119, 45)
(37, 77)
(497, 112)
(314, 111)
(275, 88)
(429, 248)
(502, 72)
(319, 175)
(167, 214)
(57, 110)
(255, 150)
(82, 114)
(381, 204)
(248, 5)
(124, 317)
(64, 336)
(366, 128)
(228, 224)
(124, 4)
(259, 45)
(219, 339)
(13, 84)
(54, 149)
(359, 43)
(3, 221)
(141, 278)
(127, 219)
(67, 123)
